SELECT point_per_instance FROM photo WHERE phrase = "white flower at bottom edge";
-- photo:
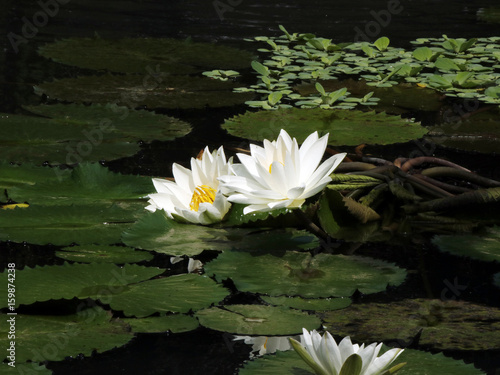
(280, 174)
(327, 358)
(195, 196)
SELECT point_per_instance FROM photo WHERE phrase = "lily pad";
(257, 320)
(345, 127)
(309, 304)
(73, 280)
(169, 91)
(483, 247)
(65, 225)
(70, 134)
(179, 293)
(87, 183)
(496, 280)
(450, 325)
(103, 254)
(29, 368)
(417, 363)
(135, 55)
(175, 323)
(13, 175)
(300, 274)
(42, 338)
(155, 231)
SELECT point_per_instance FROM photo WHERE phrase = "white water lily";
(280, 174)
(327, 358)
(195, 196)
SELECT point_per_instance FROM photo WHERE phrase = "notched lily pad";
(166, 92)
(450, 325)
(309, 304)
(345, 127)
(485, 246)
(42, 338)
(175, 323)
(155, 231)
(70, 134)
(136, 55)
(257, 320)
(103, 254)
(300, 274)
(179, 293)
(74, 280)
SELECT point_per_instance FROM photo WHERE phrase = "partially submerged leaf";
(257, 320)
(139, 55)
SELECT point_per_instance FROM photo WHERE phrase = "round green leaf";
(103, 254)
(135, 55)
(449, 324)
(168, 92)
(30, 368)
(70, 134)
(155, 231)
(13, 175)
(64, 225)
(257, 320)
(97, 280)
(483, 247)
(179, 293)
(86, 183)
(42, 338)
(310, 304)
(295, 273)
(345, 127)
(417, 363)
(175, 323)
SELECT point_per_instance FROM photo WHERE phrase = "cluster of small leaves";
(458, 67)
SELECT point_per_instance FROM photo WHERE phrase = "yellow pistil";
(202, 194)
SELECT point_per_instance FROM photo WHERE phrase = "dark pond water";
(205, 351)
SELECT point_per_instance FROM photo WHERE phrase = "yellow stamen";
(202, 194)
(14, 205)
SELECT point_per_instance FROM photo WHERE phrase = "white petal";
(183, 177)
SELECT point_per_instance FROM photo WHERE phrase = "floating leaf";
(484, 247)
(168, 92)
(137, 55)
(64, 225)
(300, 274)
(30, 368)
(175, 323)
(70, 134)
(42, 338)
(312, 304)
(446, 324)
(88, 183)
(257, 320)
(103, 254)
(74, 280)
(417, 363)
(179, 293)
(13, 175)
(155, 231)
(345, 127)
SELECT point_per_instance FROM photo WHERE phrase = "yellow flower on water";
(195, 196)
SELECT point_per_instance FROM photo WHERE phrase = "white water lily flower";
(280, 174)
(195, 196)
(327, 358)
